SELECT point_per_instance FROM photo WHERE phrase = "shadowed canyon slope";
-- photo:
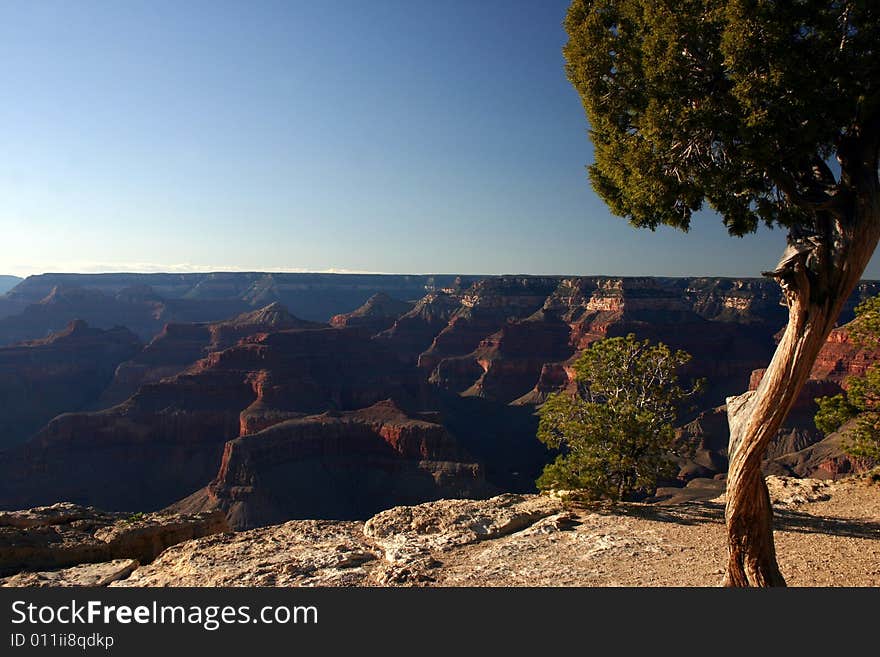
(65, 372)
(337, 465)
(144, 303)
(166, 441)
(8, 282)
(180, 345)
(377, 313)
(799, 448)
(139, 309)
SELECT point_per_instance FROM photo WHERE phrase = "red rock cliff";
(338, 465)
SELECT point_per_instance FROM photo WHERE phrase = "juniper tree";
(767, 111)
(861, 400)
(616, 433)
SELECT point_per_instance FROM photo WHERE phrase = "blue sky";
(388, 136)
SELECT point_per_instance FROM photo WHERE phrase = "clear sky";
(381, 135)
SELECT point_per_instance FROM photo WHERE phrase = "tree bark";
(815, 289)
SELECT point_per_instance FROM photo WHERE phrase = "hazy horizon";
(391, 136)
(344, 272)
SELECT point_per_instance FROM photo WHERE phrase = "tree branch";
(816, 202)
(822, 175)
(858, 152)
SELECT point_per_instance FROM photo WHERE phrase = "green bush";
(861, 401)
(616, 433)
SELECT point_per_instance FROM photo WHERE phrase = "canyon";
(799, 448)
(275, 397)
(144, 303)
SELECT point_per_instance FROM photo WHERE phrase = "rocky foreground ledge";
(71, 545)
(827, 534)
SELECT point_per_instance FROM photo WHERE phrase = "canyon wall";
(799, 448)
(167, 440)
(146, 302)
(340, 465)
(65, 372)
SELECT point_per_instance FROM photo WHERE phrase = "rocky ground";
(827, 534)
(71, 545)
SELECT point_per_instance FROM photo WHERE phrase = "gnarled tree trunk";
(816, 284)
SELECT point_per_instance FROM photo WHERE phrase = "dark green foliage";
(865, 329)
(616, 434)
(833, 413)
(740, 103)
(861, 401)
